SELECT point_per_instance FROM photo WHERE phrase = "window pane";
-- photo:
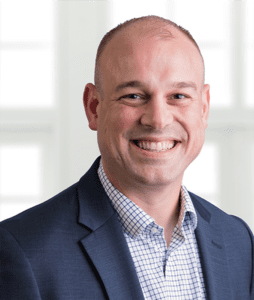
(20, 170)
(249, 79)
(249, 53)
(249, 20)
(26, 78)
(217, 74)
(206, 20)
(252, 177)
(8, 209)
(201, 176)
(24, 21)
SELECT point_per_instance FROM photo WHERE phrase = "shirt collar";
(188, 207)
(132, 218)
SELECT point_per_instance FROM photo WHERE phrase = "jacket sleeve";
(17, 280)
(252, 255)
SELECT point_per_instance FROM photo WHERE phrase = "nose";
(157, 114)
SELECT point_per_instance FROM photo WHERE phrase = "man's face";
(152, 118)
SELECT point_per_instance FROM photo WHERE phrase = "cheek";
(118, 121)
(193, 115)
(123, 119)
(193, 124)
(127, 117)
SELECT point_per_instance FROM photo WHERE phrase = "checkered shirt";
(164, 273)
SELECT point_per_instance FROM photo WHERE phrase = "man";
(128, 229)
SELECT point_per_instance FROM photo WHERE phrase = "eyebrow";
(133, 83)
(184, 84)
(136, 83)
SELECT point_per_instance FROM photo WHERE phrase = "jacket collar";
(106, 245)
(94, 205)
(212, 253)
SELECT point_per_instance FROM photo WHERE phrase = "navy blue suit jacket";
(72, 247)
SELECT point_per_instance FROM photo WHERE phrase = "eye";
(179, 96)
(131, 96)
(132, 99)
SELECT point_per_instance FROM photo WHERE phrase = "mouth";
(153, 146)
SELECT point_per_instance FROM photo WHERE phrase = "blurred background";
(47, 55)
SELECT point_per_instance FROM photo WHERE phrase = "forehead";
(139, 33)
(145, 48)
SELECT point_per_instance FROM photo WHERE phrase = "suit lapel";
(106, 244)
(212, 254)
(110, 255)
(108, 250)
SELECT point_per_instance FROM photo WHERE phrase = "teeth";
(159, 147)
(153, 146)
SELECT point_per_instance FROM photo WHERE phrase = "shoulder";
(56, 211)
(59, 215)
(232, 227)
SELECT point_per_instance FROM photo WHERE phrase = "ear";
(205, 103)
(91, 104)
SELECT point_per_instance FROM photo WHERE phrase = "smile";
(155, 146)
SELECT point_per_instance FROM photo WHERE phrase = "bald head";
(149, 26)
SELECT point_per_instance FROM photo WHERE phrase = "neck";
(163, 206)
(160, 202)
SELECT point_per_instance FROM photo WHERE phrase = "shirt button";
(154, 230)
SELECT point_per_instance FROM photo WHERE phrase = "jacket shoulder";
(230, 225)
(60, 209)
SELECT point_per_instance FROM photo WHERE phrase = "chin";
(157, 178)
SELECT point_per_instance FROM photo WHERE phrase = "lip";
(155, 154)
(157, 140)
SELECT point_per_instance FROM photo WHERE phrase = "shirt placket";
(171, 288)
(155, 237)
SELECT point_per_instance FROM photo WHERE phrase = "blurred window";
(20, 170)
(249, 53)
(27, 100)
